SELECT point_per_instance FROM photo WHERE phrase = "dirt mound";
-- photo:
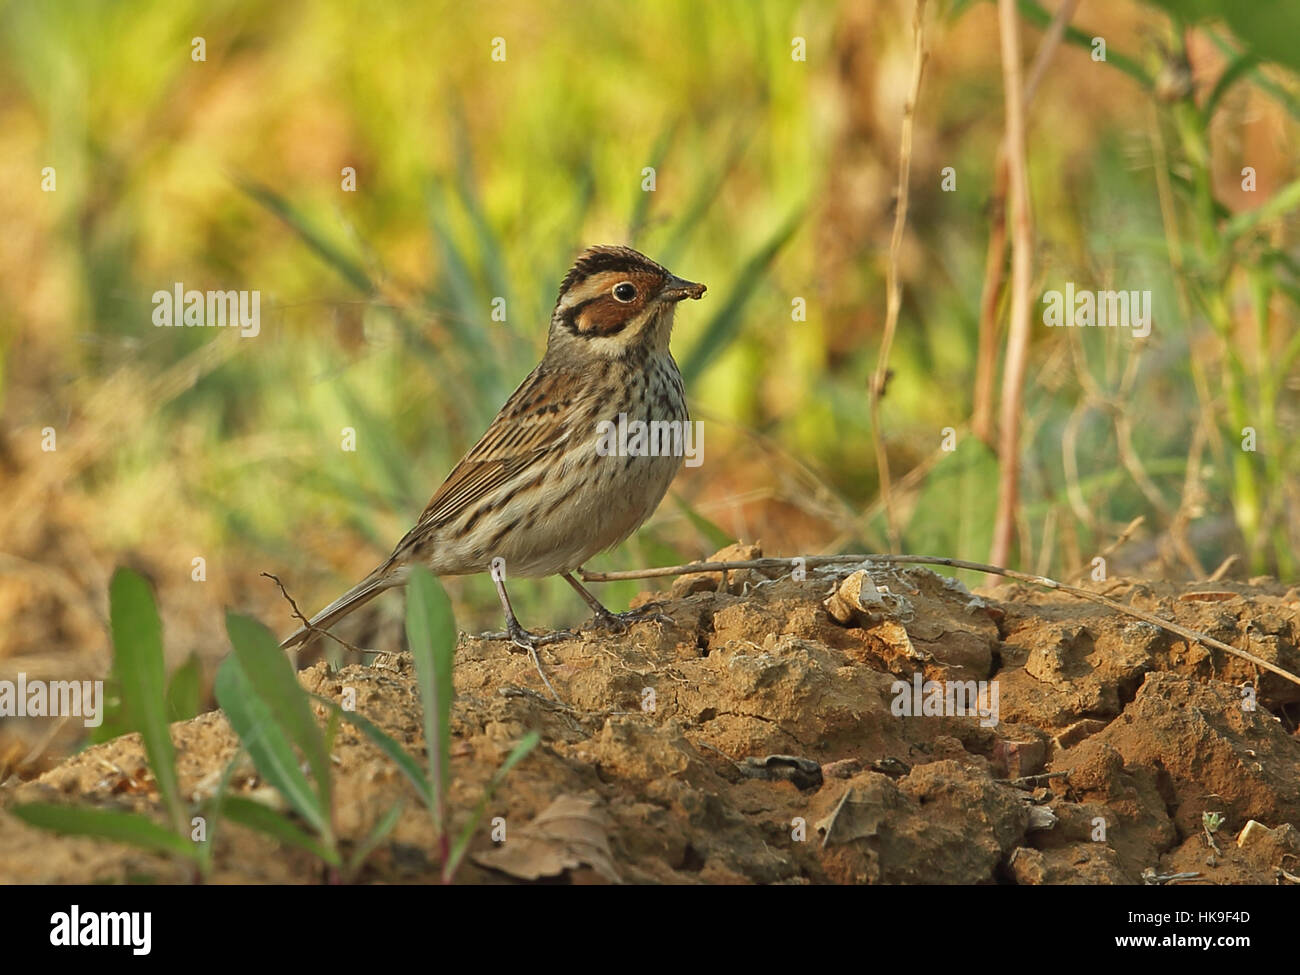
(756, 739)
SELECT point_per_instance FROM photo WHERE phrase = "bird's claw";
(526, 640)
(619, 622)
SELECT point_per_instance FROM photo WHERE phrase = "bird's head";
(615, 301)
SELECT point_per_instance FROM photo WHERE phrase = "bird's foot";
(525, 639)
(619, 622)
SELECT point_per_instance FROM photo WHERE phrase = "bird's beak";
(676, 290)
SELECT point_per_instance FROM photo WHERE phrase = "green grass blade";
(212, 808)
(267, 745)
(526, 744)
(1265, 83)
(184, 690)
(711, 532)
(348, 269)
(373, 839)
(653, 550)
(707, 191)
(106, 824)
(431, 632)
(264, 819)
(552, 267)
(641, 206)
(461, 304)
(271, 674)
(1280, 203)
(389, 746)
(1268, 29)
(114, 724)
(138, 657)
(392, 459)
(1040, 17)
(1241, 65)
(457, 280)
(725, 324)
(490, 253)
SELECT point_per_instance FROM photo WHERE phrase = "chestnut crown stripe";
(594, 260)
(584, 305)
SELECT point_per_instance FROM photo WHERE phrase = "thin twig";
(35, 752)
(1031, 780)
(1222, 571)
(1125, 534)
(813, 561)
(1048, 545)
(1047, 48)
(893, 290)
(1070, 464)
(1133, 464)
(1153, 879)
(305, 621)
(1191, 500)
(1116, 406)
(537, 662)
(860, 528)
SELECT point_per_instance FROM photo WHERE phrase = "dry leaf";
(858, 601)
(858, 815)
(570, 833)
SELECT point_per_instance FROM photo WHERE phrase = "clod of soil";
(759, 739)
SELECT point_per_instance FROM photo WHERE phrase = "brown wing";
(536, 419)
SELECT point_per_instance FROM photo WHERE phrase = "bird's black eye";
(625, 291)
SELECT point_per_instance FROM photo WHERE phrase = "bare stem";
(894, 294)
(987, 357)
(1021, 280)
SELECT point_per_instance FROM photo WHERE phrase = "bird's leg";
(514, 632)
(617, 622)
(520, 637)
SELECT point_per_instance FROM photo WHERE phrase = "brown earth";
(752, 740)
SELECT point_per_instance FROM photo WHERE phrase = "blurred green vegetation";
(478, 179)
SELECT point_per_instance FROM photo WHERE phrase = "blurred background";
(144, 144)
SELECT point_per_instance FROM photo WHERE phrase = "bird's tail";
(352, 600)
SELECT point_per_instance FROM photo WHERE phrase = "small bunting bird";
(540, 493)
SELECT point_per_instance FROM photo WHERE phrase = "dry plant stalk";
(894, 295)
(986, 360)
(1021, 279)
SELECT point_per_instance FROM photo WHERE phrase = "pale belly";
(615, 503)
(604, 490)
